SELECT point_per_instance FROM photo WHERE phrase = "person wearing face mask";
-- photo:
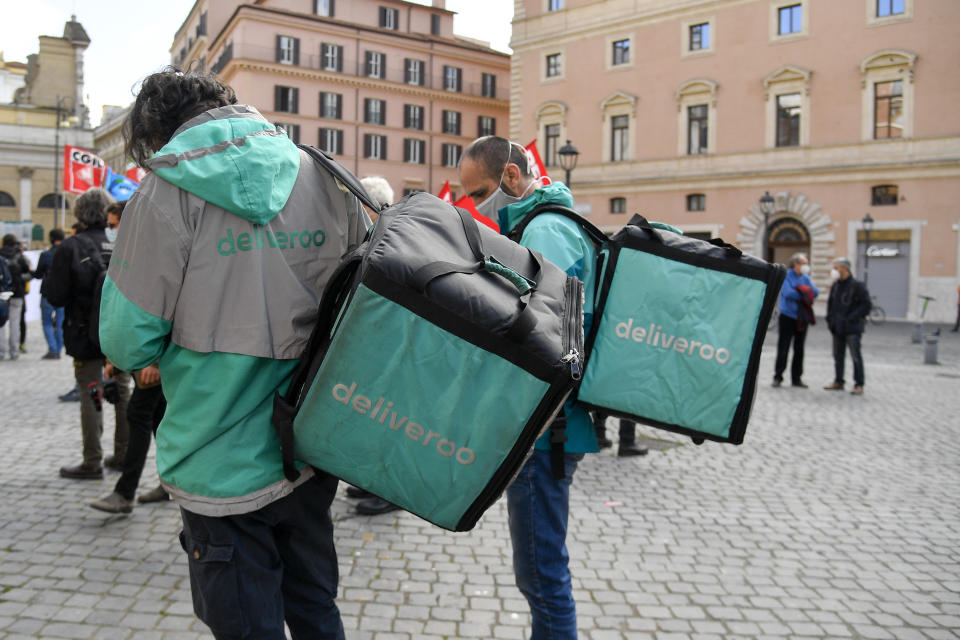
(495, 173)
(796, 314)
(847, 308)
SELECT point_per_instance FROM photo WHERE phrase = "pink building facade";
(383, 85)
(690, 111)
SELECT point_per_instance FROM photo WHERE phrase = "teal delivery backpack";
(441, 352)
(678, 329)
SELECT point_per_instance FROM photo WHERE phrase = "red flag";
(82, 170)
(535, 163)
(466, 202)
(445, 194)
(135, 173)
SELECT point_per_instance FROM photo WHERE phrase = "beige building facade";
(689, 111)
(383, 85)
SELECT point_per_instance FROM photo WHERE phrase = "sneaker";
(857, 391)
(23, 348)
(799, 385)
(357, 492)
(70, 396)
(834, 386)
(630, 450)
(777, 382)
(157, 494)
(51, 355)
(113, 503)
(82, 472)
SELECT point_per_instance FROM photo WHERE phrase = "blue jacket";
(562, 242)
(789, 297)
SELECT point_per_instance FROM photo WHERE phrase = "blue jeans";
(840, 345)
(52, 319)
(538, 506)
(250, 572)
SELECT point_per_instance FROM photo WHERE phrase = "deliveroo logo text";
(265, 239)
(656, 336)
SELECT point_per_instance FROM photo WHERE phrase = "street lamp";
(867, 225)
(766, 207)
(568, 159)
(58, 199)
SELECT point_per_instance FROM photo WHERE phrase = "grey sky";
(129, 40)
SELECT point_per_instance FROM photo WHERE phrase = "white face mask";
(111, 234)
(805, 269)
(834, 274)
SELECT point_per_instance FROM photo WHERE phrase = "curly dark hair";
(166, 100)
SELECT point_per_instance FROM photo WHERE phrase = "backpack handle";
(639, 221)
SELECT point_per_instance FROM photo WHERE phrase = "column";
(26, 191)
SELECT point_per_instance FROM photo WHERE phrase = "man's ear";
(511, 177)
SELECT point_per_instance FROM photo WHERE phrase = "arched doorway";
(786, 237)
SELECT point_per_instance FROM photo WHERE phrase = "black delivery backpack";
(441, 352)
(677, 329)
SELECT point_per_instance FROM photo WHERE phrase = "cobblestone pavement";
(838, 518)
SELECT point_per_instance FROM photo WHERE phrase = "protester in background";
(627, 446)
(379, 188)
(956, 325)
(494, 172)
(796, 314)
(19, 276)
(23, 309)
(50, 316)
(227, 325)
(847, 306)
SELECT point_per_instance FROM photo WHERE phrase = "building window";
(285, 99)
(413, 116)
(331, 105)
(414, 150)
(788, 120)
(554, 66)
(489, 85)
(376, 64)
(389, 18)
(374, 146)
(452, 78)
(331, 141)
(618, 205)
(554, 5)
(619, 141)
(888, 110)
(323, 8)
(890, 8)
(6, 200)
(450, 154)
(374, 111)
(696, 202)
(292, 131)
(53, 201)
(621, 51)
(697, 138)
(451, 123)
(790, 19)
(884, 194)
(202, 25)
(486, 126)
(288, 50)
(551, 144)
(434, 24)
(413, 71)
(700, 36)
(331, 57)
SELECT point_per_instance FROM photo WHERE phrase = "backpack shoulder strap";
(345, 177)
(597, 236)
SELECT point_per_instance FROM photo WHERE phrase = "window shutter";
(339, 58)
(277, 97)
(279, 50)
(383, 66)
(366, 145)
(406, 70)
(296, 51)
(295, 101)
(458, 123)
(339, 106)
(338, 134)
(332, 13)
(383, 16)
(459, 80)
(383, 147)
(406, 117)
(367, 63)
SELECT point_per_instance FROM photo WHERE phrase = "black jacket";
(19, 270)
(848, 305)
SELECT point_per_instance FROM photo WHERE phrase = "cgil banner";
(82, 170)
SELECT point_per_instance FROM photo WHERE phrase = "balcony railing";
(394, 72)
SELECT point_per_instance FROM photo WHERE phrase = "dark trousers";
(144, 413)
(841, 343)
(628, 429)
(789, 333)
(250, 572)
(956, 325)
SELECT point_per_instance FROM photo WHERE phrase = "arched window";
(52, 201)
(6, 200)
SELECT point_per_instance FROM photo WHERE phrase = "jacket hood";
(512, 214)
(233, 158)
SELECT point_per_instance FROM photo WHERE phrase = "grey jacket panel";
(230, 285)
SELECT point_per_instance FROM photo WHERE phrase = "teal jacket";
(222, 255)
(564, 244)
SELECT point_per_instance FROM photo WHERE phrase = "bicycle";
(877, 315)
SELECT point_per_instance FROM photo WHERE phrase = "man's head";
(842, 265)
(379, 188)
(10, 240)
(56, 236)
(166, 100)
(797, 262)
(91, 208)
(490, 163)
(114, 213)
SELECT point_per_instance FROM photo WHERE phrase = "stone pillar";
(26, 192)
